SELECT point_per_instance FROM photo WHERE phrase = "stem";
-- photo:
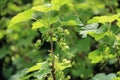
(53, 62)
(109, 27)
(117, 31)
(51, 50)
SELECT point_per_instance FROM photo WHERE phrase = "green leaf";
(101, 19)
(3, 52)
(102, 76)
(38, 43)
(110, 76)
(56, 4)
(71, 21)
(97, 36)
(42, 73)
(94, 31)
(63, 65)
(38, 24)
(2, 33)
(117, 78)
(42, 69)
(98, 33)
(2, 3)
(104, 19)
(34, 68)
(109, 38)
(38, 66)
(118, 73)
(95, 56)
(118, 24)
(19, 75)
(83, 45)
(23, 16)
(88, 28)
(44, 29)
(42, 8)
(114, 17)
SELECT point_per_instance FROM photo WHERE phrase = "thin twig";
(53, 66)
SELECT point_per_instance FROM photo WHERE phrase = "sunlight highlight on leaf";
(95, 56)
(104, 19)
(23, 16)
(37, 24)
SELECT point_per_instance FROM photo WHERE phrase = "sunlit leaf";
(104, 19)
(117, 78)
(101, 19)
(34, 68)
(42, 8)
(61, 66)
(38, 24)
(114, 17)
(56, 4)
(97, 36)
(70, 23)
(95, 56)
(42, 69)
(23, 16)
(38, 66)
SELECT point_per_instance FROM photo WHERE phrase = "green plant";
(108, 39)
(50, 25)
(58, 23)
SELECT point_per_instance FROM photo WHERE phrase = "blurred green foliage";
(82, 42)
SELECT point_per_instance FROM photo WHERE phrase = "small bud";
(60, 29)
(68, 77)
(66, 32)
(66, 47)
(38, 43)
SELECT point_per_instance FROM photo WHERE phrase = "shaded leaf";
(54, 5)
(3, 52)
(102, 76)
(2, 33)
(19, 75)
